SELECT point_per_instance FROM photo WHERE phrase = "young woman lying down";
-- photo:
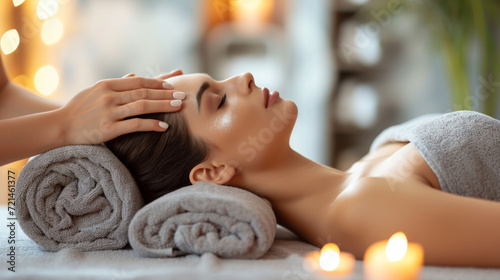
(235, 133)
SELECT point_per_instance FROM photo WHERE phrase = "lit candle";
(394, 259)
(330, 262)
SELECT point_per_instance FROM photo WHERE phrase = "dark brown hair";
(160, 162)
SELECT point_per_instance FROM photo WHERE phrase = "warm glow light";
(10, 41)
(52, 31)
(46, 8)
(330, 257)
(22, 80)
(46, 80)
(17, 2)
(393, 259)
(396, 247)
(329, 262)
(252, 11)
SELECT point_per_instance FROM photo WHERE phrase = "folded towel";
(77, 196)
(204, 218)
(462, 148)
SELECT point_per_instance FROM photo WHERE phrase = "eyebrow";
(200, 93)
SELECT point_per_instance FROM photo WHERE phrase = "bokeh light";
(46, 80)
(10, 41)
(46, 8)
(254, 11)
(357, 104)
(52, 31)
(17, 2)
(329, 259)
(396, 247)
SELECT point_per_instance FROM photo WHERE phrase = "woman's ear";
(218, 173)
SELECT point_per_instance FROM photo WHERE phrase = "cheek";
(225, 122)
(223, 125)
(234, 126)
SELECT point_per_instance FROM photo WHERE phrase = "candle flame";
(396, 247)
(330, 257)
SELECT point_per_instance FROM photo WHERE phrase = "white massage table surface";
(283, 261)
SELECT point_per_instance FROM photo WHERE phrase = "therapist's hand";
(163, 76)
(98, 114)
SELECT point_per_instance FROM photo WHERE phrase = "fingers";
(163, 76)
(134, 82)
(174, 73)
(149, 94)
(137, 124)
(129, 75)
(141, 107)
(141, 82)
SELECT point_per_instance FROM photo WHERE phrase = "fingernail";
(164, 125)
(174, 71)
(176, 103)
(179, 95)
(167, 85)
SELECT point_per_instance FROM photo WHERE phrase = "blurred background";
(353, 67)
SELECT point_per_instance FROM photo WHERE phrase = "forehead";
(188, 83)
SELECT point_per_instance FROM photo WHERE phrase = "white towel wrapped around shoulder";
(462, 148)
(204, 218)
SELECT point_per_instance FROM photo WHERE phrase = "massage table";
(282, 261)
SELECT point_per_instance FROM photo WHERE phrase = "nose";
(244, 82)
(248, 80)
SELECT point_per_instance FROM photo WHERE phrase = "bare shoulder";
(356, 211)
(450, 227)
(373, 208)
(366, 190)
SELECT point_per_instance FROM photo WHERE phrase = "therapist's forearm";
(30, 135)
(3, 76)
(16, 101)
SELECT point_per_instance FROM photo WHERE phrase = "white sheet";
(283, 261)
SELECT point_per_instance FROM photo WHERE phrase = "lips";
(273, 97)
(270, 98)
(265, 91)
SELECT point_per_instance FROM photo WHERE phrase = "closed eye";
(222, 101)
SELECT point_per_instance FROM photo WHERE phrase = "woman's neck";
(300, 191)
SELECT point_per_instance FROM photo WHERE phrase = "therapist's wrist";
(61, 128)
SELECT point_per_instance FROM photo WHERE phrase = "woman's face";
(247, 128)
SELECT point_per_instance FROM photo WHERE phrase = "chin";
(288, 112)
(292, 107)
(291, 110)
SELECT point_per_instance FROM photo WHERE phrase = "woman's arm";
(30, 135)
(454, 230)
(3, 75)
(93, 116)
(30, 125)
(16, 101)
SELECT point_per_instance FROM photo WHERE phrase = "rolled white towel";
(78, 196)
(204, 218)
